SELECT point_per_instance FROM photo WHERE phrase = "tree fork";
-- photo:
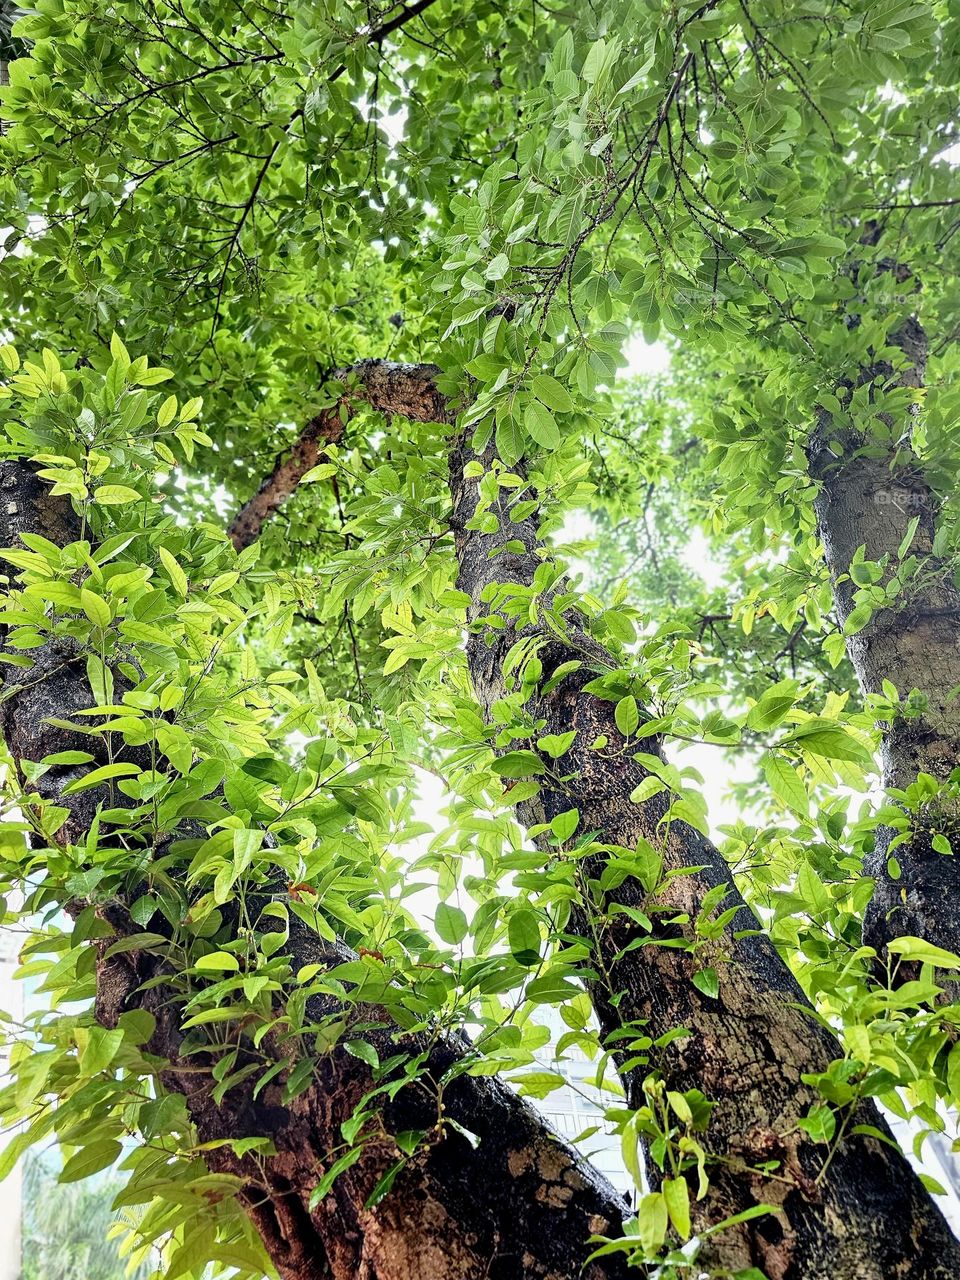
(408, 390)
(862, 1214)
(519, 1203)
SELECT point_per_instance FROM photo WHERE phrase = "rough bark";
(520, 1203)
(870, 492)
(861, 1216)
(403, 389)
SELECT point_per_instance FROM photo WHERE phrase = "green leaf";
(100, 679)
(509, 443)
(323, 1187)
(91, 1159)
(68, 757)
(219, 961)
(115, 495)
(363, 1050)
(553, 393)
(98, 1048)
(498, 267)
(676, 1196)
(770, 710)
(563, 825)
(652, 1221)
(820, 738)
(122, 769)
(523, 932)
(450, 923)
(176, 575)
(518, 764)
(953, 1072)
(594, 62)
(167, 412)
(150, 377)
(786, 784)
(540, 426)
(96, 608)
(556, 745)
(820, 1122)
(14, 1150)
(707, 981)
(647, 789)
(908, 537)
(119, 351)
(857, 619)
(136, 942)
(383, 1187)
(553, 987)
(619, 625)
(246, 845)
(323, 471)
(627, 715)
(396, 659)
(910, 948)
(932, 1185)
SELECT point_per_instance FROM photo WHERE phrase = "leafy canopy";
(215, 209)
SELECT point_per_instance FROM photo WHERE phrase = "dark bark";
(871, 489)
(862, 1216)
(520, 1203)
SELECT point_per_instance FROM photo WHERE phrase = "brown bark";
(518, 1203)
(870, 492)
(404, 389)
(862, 1215)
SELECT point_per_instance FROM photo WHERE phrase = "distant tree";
(66, 1227)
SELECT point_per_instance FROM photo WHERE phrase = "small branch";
(379, 34)
(241, 222)
(914, 204)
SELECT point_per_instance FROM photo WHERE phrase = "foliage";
(212, 208)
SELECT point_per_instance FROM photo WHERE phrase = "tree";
(284, 217)
(65, 1227)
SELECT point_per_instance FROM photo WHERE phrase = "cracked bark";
(519, 1204)
(869, 494)
(865, 1216)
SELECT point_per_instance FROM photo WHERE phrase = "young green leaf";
(450, 923)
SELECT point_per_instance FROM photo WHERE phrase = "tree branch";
(407, 390)
(379, 34)
(516, 1191)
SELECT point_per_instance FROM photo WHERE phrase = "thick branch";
(853, 1219)
(380, 34)
(863, 1215)
(876, 496)
(407, 390)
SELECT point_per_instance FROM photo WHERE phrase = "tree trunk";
(852, 1211)
(873, 494)
(519, 1202)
